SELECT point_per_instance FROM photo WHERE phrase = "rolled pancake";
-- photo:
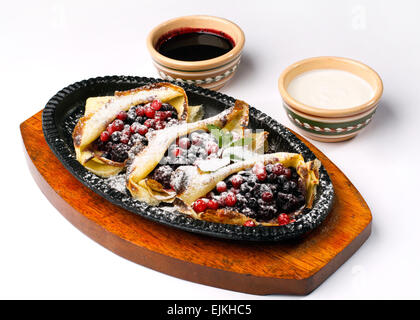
(234, 118)
(101, 111)
(191, 184)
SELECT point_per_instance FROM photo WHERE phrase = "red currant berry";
(150, 112)
(134, 127)
(156, 104)
(160, 115)
(184, 143)
(150, 123)
(110, 128)
(221, 186)
(249, 223)
(230, 199)
(278, 169)
(261, 174)
(213, 204)
(200, 205)
(167, 114)
(125, 138)
(283, 219)
(236, 181)
(267, 196)
(140, 111)
(105, 136)
(122, 115)
(126, 132)
(142, 130)
(117, 125)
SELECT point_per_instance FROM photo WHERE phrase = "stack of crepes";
(190, 181)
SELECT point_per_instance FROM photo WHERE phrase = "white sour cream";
(330, 89)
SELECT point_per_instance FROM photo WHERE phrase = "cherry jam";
(194, 44)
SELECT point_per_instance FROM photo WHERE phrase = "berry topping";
(125, 138)
(150, 123)
(110, 128)
(115, 136)
(267, 196)
(213, 204)
(283, 219)
(122, 115)
(258, 167)
(149, 112)
(140, 111)
(261, 174)
(160, 115)
(156, 104)
(142, 130)
(221, 186)
(230, 199)
(236, 181)
(288, 173)
(163, 175)
(117, 125)
(131, 126)
(260, 193)
(167, 114)
(249, 223)
(105, 136)
(278, 169)
(200, 205)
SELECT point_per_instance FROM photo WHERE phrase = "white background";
(47, 45)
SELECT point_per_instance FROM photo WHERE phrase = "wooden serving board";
(294, 267)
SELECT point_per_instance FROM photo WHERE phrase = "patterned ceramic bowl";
(211, 73)
(330, 125)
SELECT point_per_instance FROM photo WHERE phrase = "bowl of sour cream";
(330, 98)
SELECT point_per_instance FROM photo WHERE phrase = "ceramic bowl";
(330, 125)
(211, 73)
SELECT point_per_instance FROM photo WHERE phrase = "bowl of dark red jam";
(199, 50)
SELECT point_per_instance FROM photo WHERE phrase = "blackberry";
(162, 174)
(119, 152)
(286, 187)
(252, 180)
(131, 115)
(141, 119)
(252, 203)
(167, 107)
(267, 212)
(116, 136)
(137, 138)
(249, 213)
(245, 188)
(281, 179)
(241, 201)
(271, 177)
(245, 173)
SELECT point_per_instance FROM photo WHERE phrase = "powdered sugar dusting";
(117, 182)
